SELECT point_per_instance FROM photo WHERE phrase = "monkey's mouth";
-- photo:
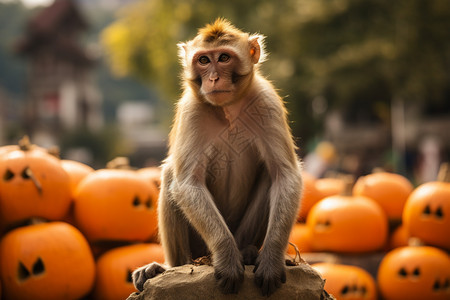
(218, 92)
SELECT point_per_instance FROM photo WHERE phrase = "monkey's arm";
(278, 151)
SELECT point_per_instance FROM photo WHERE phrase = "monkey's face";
(219, 75)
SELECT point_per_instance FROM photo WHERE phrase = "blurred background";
(366, 83)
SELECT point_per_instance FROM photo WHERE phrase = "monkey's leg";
(270, 266)
(173, 233)
(252, 229)
(199, 208)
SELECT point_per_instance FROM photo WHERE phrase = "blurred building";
(144, 138)
(62, 94)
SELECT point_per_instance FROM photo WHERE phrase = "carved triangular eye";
(446, 284)
(439, 213)
(22, 272)
(26, 173)
(8, 175)
(416, 272)
(129, 278)
(149, 203)
(363, 290)
(345, 290)
(427, 210)
(436, 285)
(38, 267)
(136, 201)
(402, 272)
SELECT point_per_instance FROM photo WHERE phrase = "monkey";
(231, 182)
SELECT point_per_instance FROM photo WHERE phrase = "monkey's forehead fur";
(221, 33)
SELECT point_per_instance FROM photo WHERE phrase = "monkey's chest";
(231, 162)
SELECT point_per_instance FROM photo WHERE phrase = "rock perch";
(198, 282)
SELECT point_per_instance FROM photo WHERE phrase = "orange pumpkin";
(389, 190)
(310, 196)
(32, 184)
(415, 273)
(46, 261)
(427, 213)
(330, 186)
(301, 237)
(347, 282)
(116, 205)
(399, 237)
(347, 224)
(77, 171)
(114, 269)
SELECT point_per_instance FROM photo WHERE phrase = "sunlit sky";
(32, 3)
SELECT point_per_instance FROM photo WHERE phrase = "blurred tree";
(324, 53)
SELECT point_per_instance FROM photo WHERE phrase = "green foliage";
(358, 54)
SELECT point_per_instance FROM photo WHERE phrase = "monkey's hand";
(229, 274)
(269, 274)
(141, 274)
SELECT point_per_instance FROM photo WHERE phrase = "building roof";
(56, 29)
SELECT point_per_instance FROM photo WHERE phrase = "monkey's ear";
(256, 43)
(182, 52)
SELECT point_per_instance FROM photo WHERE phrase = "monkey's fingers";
(141, 275)
(229, 281)
(269, 282)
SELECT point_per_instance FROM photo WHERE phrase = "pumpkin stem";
(25, 143)
(378, 170)
(120, 162)
(444, 172)
(415, 242)
(54, 151)
(33, 178)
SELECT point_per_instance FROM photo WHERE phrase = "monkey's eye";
(224, 57)
(203, 60)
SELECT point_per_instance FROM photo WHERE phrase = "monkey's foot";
(230, 278)
(141, 274)
(269, 276)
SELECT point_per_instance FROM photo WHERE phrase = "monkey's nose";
(214, 76)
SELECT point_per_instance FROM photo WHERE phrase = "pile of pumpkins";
(71, 232)
(380, 213)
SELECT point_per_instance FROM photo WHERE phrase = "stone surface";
(198, 282)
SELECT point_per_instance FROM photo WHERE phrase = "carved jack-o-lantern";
(347, 282)
(116, 205)
(415, 273)
(114, 269)
(46, 261)
(427, 212)
(32, 184)
(347, 224)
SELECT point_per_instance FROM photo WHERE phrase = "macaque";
(231, 183)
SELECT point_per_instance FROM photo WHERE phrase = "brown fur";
(231, 183)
